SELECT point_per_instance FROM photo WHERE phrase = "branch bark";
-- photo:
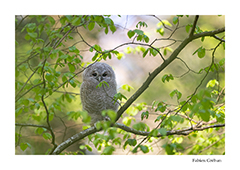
(74, 139)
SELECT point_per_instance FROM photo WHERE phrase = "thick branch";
(74, 139)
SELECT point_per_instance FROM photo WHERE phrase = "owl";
(96, 99)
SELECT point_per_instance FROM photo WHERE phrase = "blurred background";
(131, 69)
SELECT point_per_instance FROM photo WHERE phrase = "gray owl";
(95, 100)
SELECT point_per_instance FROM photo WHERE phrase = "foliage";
(47, 66)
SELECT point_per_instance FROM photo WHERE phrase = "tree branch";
(74, 139)
(220, 39)
(173, 56)
(31, 125)
(194, 25)
(174, 132)
(93, 130)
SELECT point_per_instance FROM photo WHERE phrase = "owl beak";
(99, 78)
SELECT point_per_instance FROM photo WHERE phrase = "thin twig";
(31, 125)
(161, 22)
(220, 39)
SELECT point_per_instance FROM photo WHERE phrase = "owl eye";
(104, 74)
(94, 74)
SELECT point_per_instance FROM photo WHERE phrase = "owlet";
(96, 99)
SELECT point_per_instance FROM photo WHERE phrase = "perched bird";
(96, 99)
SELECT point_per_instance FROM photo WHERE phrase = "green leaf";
(112, 115)
(52, 21)
(205, 115)
(162, 131)
(175, 20)
(145, 53)
(139, 32)
(146, 38)
(95, 56)
(47, 136)
(144, 115)
(127, 87)
(24, 146)
(176, 118)
(112, 28)
(200, 51)
(128, 50)
(40, 130)
(98, 125)
(168, 148)
(25, 102)
(72, 83)
(106, 30)
(49, 77)
(18, 111)
(154, 133)
(76, 21)
(212, 83)
(68, 98)
(64, 78)
(119, 96)
(89, 148)
(144, 148)
(131, 142)
(188, 28)
(73, 49)
(141, 24)
(127, 120)
(97, 47)
(165, 22)
(71, 67)
(31, 27)
(108, 150)
(160, 31)
(139, 37)
(140, 126)
(104, 83)
(167, 78)
(178, 93)
(154, 52)
(91, 25)
(222, 61)
(32, 34)
(108, 21)
(84, 115)
(167, 49)
(130, 33)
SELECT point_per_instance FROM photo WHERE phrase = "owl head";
(98, 72)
